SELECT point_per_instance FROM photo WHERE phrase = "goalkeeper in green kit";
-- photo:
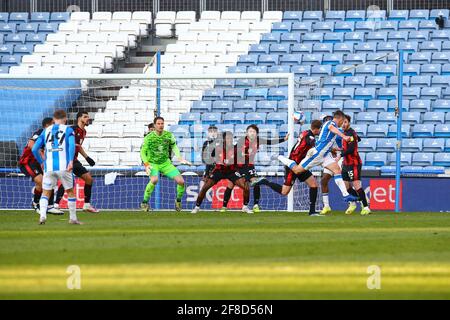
(156, 156)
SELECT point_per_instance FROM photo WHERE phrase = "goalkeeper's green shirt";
(156, 148)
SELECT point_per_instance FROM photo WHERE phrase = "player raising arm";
(305, 142)
(78, 169)
(320, 154)
(58, 141)
(156, 158)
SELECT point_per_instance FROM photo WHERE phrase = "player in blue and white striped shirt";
(58, 141)
(321, 154)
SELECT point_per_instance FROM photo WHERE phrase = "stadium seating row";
(25, 17)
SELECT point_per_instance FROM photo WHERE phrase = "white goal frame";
(151, 76)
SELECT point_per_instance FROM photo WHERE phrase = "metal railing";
(220, 5)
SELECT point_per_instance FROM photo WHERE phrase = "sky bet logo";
(382, 194)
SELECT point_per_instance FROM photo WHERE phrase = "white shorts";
(50, 180)
(328, 171)
(315, 158)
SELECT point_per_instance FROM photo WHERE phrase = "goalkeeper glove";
(90, 161)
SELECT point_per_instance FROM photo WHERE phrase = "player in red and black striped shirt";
(78, 169)
(225, 168)
(305, 142)
(351, 166)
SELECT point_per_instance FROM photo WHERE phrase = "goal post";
(85, 86)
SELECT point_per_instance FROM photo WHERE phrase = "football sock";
(226, 197)
(326, 200)
(352, 192)
(312, 199)
(37, 195)
(43, 204)
(362, 196)
(256, 194)
(51, 199)
(274, 186)
(180, 192)
(59, 194)
(87, 193)
(148, 191)
(287, 162)
(72, 204)
(341, 185)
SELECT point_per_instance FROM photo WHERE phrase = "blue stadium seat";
(36, 38)
(440, 81)
(11, 60)
(442, 130)
(290, 38)
(356, 58)
(377, 105)
(388, 25)
(376, 15)
(377, 130)
(393, 81)
(355, 15)
(224, 83)
(387, 47)
(245, 106)
(333, 37)
(411, 69)
(312, 16)
(440, 57)
(442, 159)
(302, 48)
(432, 93)
(434, 117)
(367, 117)
(7, 49)
(405, 129)
(304, 26)
(301, 71)
(433, 145)
(365, 26)
(285, 26)
(441, 105)
(326, 26)
(180, 131)
(420, 57)
(18, 17)
(257, 94)
(376, 58)
(344, 26)
(59, 16)
(430, 69)
(28, 27)
(4, 17)
(420, 81)
(333, 82)
(282, 105)
(398, 36)
(310, 105)
(332, 105)
(201, 106)
(430, 46)
(411, 93)
(48, 27)
(222, 106)
(270, 38)
(268, 59)
(198, 130)
(313, 37)
(354, 36)
(420, 105)
(439, 12)
(343, 48)
(393, 105)
(189, 118)
(237, 69)
(15, 38)
(344, 93)
(445, 46)
(211, 118)
(366, 70)
(333, 58)
(40, 17)
(442, 35)
(212, 94)
(4, 69)
(233, 118)
(257, 69)
(321, 70)
(386, 70)
(387, 93)
(277, 94)
(405, 157)
(312, 59)
(301, 93)
(323, 93)
(234, 94)
(419, 36)
(23, 48)
(377, 36)
(322, 48)
(422, 159)
(270, 82)
(255, 118)
(290, 59)
(248, 60)
(242, 83)
(408, 46)
(365, 93)
(353, 106)
(411, 117)
(419, 14)
(399, 15)
(375, 82)
(367, 145)
(278, 118)
(412, 145)
(387, 117)
(427, 25)
(7, 27)
(361, 129)
(335, 15)
(344, 70)
(279, 69)
(375, 159)
(423, 130)
(261, 48)
(408, 25)
(292, 16)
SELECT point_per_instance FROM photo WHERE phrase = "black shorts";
(31, 169)
(351, 173)
(79, 169)
(290, 176)
(218, 175)
(249, 172)
(209, 168)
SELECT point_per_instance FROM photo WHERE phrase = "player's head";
(227, 137)
(338, 117)
(347, 122)
(151, 127)
(327, 118)
(315, 127)
(47, 122)
(252, 131)
(83, 118)
(159, 124)
(212, 132)
(60, 116)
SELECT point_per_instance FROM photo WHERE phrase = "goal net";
(121, 107)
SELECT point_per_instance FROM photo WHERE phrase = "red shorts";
(31, 169)
(351, 173)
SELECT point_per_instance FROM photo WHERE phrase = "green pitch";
(165, 255)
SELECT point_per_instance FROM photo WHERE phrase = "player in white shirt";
(58, 141)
